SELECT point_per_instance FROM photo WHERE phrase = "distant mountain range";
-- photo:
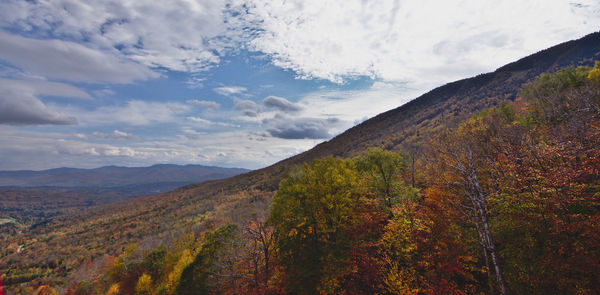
(114, 176)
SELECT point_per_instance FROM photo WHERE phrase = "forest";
(508, 202)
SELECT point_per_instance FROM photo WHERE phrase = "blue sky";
(239, 83)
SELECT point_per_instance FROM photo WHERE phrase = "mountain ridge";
(436, 109)
(113, 176)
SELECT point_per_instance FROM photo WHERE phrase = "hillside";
(505, 203)
(195, 208)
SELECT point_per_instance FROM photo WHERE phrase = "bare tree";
(460, 172)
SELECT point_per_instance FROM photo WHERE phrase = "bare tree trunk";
(412, 170)
(488, 271)
(492, 249)
(479, 200)
(482, 242)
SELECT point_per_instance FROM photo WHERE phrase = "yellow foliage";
(329, 285)
(113, 290)
(144, 285)
(594, 74)
(174, 276)
(400, 280)
(45, 290)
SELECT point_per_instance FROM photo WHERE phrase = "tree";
(399, 249)
(383, 171)
(154, 262)
(459, 167)
(200, 275)
(548, 187)
(174, 276)
(311, 215)
(260, 251)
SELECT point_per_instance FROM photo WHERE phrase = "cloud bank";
(411, 40)
(204, 103)
(54, 54)
(57, 59)
(281, 104)
(178, 35)
(300, 128)
(20, 103)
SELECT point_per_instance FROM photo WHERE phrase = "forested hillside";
(507, 202)
(441, 217)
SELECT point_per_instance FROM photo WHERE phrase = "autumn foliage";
(508, 202)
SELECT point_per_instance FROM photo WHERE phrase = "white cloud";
(399, 40)
(248, 107)
(281, 104)
(422, 42)
(57, 59)
(178, 35)
(35, 150)
(134, 112)
(20, 103)
(104, 92)
(300, 128)
(45, 88)
(116, 134)
(43, 150)
(325, 113)
(427, 40)
(208, 122)
(204, 103)
(229, 90)
(195, 82)
(353, 106)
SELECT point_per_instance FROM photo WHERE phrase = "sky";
(239, 83)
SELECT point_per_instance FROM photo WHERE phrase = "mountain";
(33, 197)
(199, 207)
(406, 127)
(113, 176)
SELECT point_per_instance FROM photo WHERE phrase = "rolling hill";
(34, 196)
(195, 208)
(113, 176)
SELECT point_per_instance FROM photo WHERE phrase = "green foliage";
(311, 214)
(154, 262)
(383, 171)
(195, 278)
(552, 98)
